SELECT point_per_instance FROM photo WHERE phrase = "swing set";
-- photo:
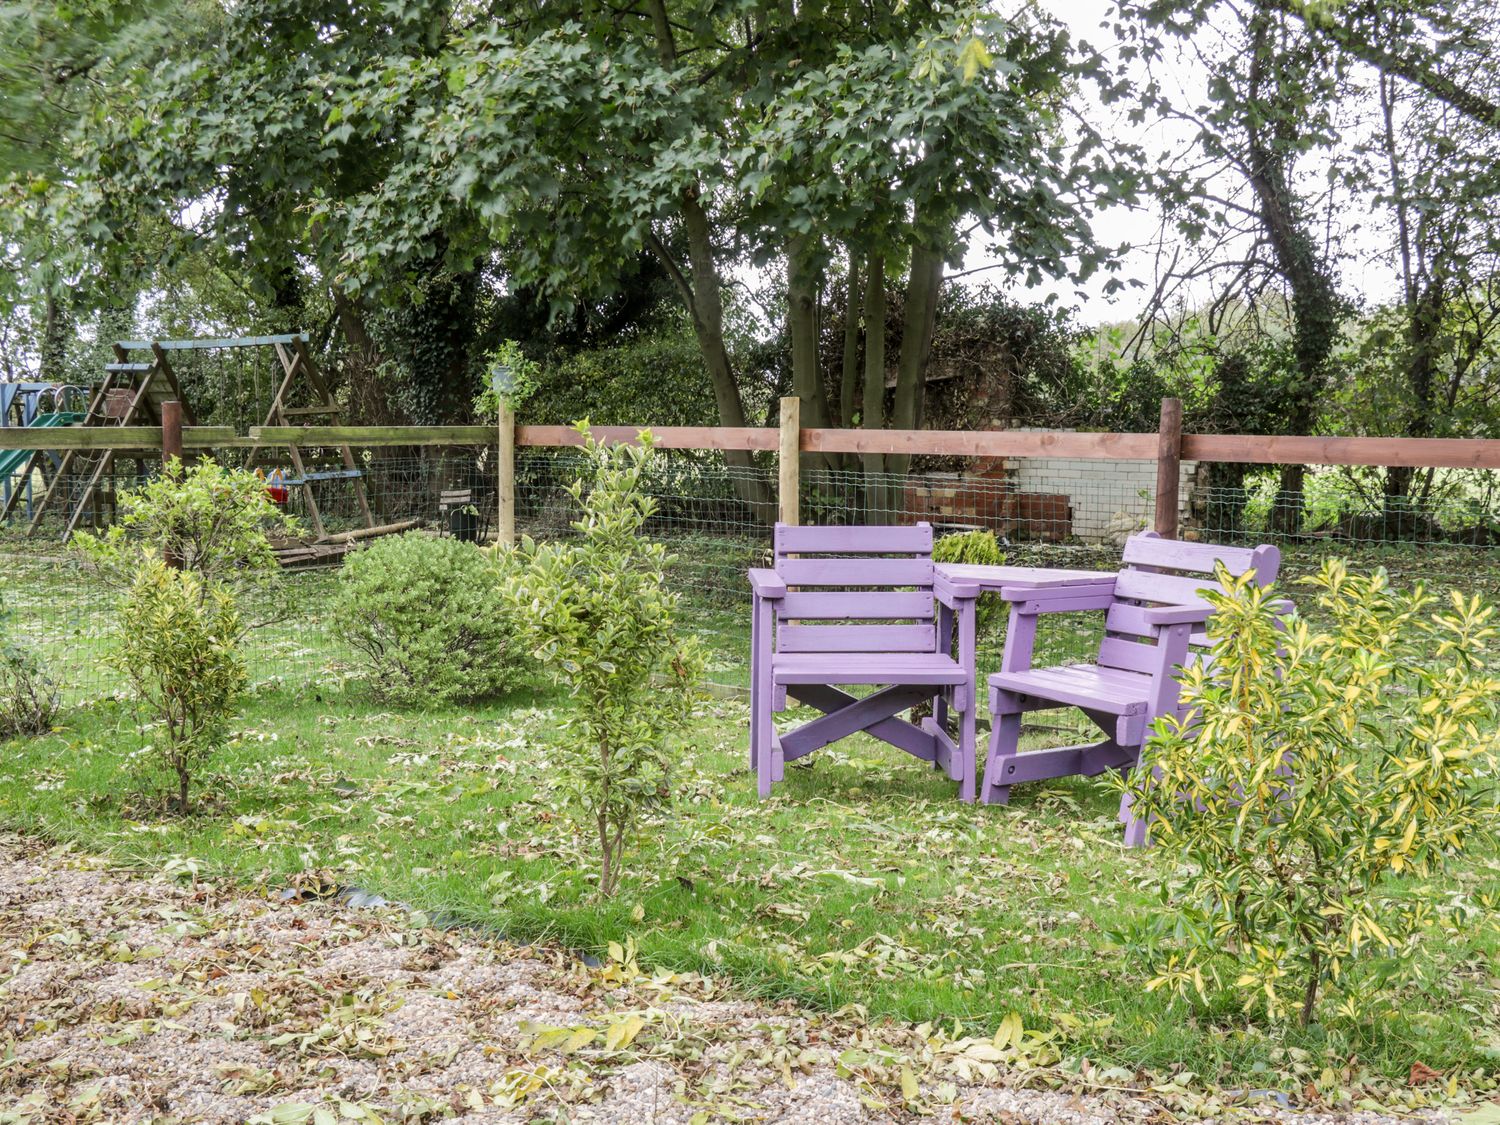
(134, 388)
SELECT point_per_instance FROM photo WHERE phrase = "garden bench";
(1154, 625)
(858, 606)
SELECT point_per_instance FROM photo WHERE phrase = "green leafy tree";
(185, 543)
(1318, 768)
(598, 613)
(1240, 194)
(780, 135)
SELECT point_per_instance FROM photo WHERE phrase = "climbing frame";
(299, 373)
(130, 394)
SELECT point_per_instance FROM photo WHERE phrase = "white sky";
(1363, 275)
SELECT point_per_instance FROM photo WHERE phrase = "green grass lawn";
(862, 882)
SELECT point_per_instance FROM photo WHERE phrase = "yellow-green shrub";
(1320, 766)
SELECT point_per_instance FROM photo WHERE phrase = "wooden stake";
(505, 473)
(1168, 467)
(789, 460)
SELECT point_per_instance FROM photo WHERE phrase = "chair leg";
(1137, 833)
(1137, 830)
(762, 753)
(968, 737)
(762, 726)
(1005, 742)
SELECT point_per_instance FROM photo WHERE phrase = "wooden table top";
(993, 577)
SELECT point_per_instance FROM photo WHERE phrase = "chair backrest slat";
(913, 540)
(856, 572)
(1166, 572)
(1128, 654)
(855, 638)
(1162, 589)
(854, 605)
(1198, 558)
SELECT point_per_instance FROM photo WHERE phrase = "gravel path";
(126, 998)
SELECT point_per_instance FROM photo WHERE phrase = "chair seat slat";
(867, 668)
(856, 638)
(839, 605)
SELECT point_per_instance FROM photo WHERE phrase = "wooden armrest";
(1044, 591)
(950, 591)
(766, 583)
(1178, 614)
(1060, 599)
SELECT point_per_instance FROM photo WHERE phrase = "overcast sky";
(1364, 275)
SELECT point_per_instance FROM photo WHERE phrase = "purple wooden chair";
(1154, 625)
(858, 606)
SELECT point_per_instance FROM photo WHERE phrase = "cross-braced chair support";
(855, 606)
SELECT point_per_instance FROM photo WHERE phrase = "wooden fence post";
(1168, 467)
(171, 447)
(789, 460)
(505, 473)
(171, 431)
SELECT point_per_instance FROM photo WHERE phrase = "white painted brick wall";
(1098, 490)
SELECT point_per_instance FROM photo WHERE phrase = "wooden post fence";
(789, 460)
(1168, 467)
(505, 473)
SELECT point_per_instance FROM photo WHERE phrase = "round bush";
(427, 617)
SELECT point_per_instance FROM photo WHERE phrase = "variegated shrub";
(1322, 760)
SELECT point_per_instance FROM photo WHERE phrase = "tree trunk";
(849, 374)
(1315, 304)
(918, 324)
(1310, 994)
(706, 308)
(1423, 327)
(703, 296)
(874, 399)
(368, 401)
(802, 329)
(56, 329)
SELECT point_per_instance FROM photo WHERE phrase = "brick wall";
(1099, 490)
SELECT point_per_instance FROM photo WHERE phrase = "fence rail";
(1167, 447)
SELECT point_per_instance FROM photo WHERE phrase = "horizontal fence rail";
(1441, 453)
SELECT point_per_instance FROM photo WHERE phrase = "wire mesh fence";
(716, 520)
